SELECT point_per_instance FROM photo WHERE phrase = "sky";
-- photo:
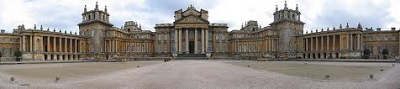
(66, 14)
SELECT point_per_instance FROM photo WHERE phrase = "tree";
(385, 52)
(18, 55)
(366, 52)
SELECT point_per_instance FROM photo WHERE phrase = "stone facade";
(192, 33)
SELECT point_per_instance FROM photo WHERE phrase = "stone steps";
(191, 57)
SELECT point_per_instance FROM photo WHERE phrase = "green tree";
(18, 55)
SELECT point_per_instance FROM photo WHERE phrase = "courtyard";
(184, 74)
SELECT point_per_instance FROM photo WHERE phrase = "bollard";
(248, 65)
(392, 65)
(327, 77)
(137, 66)
(381, 70)
(305, 63)
(57, 78)
(12, 79)
(371, 76)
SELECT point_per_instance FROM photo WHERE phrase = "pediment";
(191, 19)
(191, 12)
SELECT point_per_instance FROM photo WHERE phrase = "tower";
(93, 26)
(287, 22)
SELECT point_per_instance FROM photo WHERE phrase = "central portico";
(191, 28)
(191, 33)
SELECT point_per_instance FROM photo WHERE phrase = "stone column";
(60, 42)
(327, 43)
(31, 43)
(109, 46)
(334, 43)
(206, 39)
(112, 46)
(351, 42)
(48, 44)
(180, 41)
(270, 45)
(23, 43)
(195, 41)
(273, 45)
(312, 44)
(76, 46)
(54, 45)
(359, 42)
(65, 45)
(202, 40)
(340, 43)
(187, 41)
(70, 45)
(116, 46)
(317, 44)
(176, 41)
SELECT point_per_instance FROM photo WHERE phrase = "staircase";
(191, 57)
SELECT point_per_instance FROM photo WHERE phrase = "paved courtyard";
(189, 74)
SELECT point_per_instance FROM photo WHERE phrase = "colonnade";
(182, 40)
(53, 48)
(331, 46)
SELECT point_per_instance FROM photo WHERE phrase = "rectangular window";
(216, 36)
(173, 35)
(159, 37)
(223, 47)
(165, 47)
(159, 48)
(217, 48)
(173, 47)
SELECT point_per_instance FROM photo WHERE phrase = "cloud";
(66, 14)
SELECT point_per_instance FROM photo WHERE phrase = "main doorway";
(191, 47)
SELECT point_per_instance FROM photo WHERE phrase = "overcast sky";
(317, 14)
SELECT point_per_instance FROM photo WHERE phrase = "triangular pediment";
(191, 12)
(191, 19)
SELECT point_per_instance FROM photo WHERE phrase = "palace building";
(191, 34)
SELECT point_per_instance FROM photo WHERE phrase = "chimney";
(378, 29)
(393, 28)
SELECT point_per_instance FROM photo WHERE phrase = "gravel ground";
(189, 74)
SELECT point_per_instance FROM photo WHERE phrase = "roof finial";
(340, 26)
(297, 7)
(34, 26)
(191, 7)
(347, 26)
(359, 25)
(276, 9)
(41, 27)
(105, 8)
(84, 9)
(285, 4)
(97, 6)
